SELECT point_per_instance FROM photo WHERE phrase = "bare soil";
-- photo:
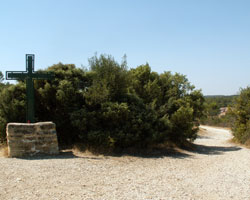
(214, 169)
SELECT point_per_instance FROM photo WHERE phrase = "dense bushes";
(109, 105)
(241, 112)
(212, 115)
(12, 106)
(220, 121)
(237, 117)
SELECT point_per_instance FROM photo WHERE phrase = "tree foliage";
(110, 106)
(212, 116)
(241, 113)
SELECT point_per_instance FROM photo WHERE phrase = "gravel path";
(215, 170)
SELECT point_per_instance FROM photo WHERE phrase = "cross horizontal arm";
(42, 75)
(13, 75)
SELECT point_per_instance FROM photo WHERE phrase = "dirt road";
(216, 169)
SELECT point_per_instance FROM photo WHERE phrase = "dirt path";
(215, 170)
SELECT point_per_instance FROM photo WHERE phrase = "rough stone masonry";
(28, 139)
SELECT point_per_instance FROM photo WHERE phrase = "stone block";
(28, 139)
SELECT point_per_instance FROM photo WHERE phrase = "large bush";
(12, 106)
(241, 112)
(110, 106)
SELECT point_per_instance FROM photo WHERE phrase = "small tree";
(241, 112)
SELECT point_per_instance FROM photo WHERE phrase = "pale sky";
(206, 40)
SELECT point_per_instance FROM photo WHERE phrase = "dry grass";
(160, 150)
(3, 150)
(235, 141)
(248, 143)
(202, 131)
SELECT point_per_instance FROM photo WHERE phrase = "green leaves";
(109, 75)
(109, 106)
(12, 106)
(241, 113)
(182, 121)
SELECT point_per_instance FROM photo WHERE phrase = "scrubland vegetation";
(237, 117)
(212, 112)
(109, 105)
(241, 113)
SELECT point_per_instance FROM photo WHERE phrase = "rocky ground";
(215, 169)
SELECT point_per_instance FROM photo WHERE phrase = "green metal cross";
(29, 75)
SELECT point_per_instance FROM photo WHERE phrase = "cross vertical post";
(29, 75)
(30, 89)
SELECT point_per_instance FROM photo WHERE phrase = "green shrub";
(241, 112)
(12, 106)
(212, 107)
(109, 106)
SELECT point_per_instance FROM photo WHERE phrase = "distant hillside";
(220, 100)
(223, 96)
(216, 109)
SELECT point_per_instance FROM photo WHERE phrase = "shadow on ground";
(61, 155)
(155, 153)
(213, 150)
(171, 152)
(152, 153)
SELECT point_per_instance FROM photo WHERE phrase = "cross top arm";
(22, 75)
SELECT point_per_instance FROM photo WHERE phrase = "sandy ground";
(216, 169)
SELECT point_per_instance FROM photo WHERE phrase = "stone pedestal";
(30, 139)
